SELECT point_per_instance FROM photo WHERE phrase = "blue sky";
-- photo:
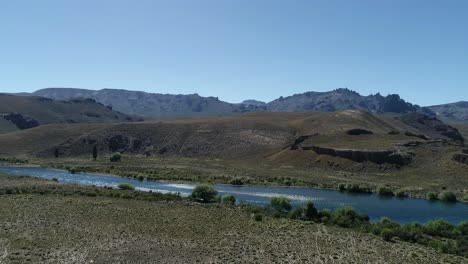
(238, 49)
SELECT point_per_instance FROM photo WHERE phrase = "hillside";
(169, 106)
(455, 111)
(23, 112)
(236, 137)
(413, 151)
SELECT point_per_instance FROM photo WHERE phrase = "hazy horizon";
(238, 50)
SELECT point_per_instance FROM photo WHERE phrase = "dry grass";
(78, 229)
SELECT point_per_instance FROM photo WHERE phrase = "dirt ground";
(58, 228)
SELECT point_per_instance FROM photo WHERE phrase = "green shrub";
(342, 187)
(386, 234)
(228, 199)
(55, 179)
(125, 186)
(236, 181)
(257, 217)
(204, 192)
(440, 228)
(357, 188)
(447, 197)
(348, 217)
(298, 214)
(432, 196)
(401, 194)
(324, 215)
(311, 212)
(384, 191)
(465, 198)
(116, 157)
(281, 204)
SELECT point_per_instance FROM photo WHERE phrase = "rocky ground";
(76, 228)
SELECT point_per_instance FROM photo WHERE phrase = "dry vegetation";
(53, 228)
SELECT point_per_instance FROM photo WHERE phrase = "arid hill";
(24, 112)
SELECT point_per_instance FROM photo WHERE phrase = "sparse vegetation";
(437, 234)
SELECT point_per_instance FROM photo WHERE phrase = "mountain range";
(164, 106)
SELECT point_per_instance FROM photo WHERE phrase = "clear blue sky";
(238, 49)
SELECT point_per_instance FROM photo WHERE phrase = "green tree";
(281, 204)
(310, 211)
(204, 192)
(95, 154)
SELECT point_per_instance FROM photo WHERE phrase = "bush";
(384, 191)
(386, 234)
(465, 198)
(356, 188)
(400, 193)
(432, 196)
(228, 199)
(257, 217)
(55, 179)
(440, 228)
(125, 186)
(348, 217)
(236, 181)
(448, 197)
(204, 192)
(116, 157)
(281, 204)
(311, 212)
(298, 214)
(342, 187)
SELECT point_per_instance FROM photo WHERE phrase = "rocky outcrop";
(421, 136)
(21, 121)
(374, 156)
(460, 158)
(300, 140)
(433, 128)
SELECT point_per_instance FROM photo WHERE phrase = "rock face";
(432, 127)
(378, 157)
(21, 121)
(461, 158)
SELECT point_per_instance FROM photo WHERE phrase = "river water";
(401, 210)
